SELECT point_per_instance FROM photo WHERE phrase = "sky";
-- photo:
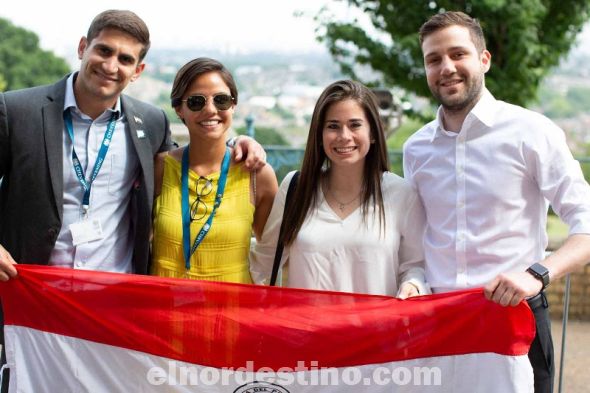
(224, 24)
(228, 25)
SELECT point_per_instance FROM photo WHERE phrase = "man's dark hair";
(126, 21)
(454, 18)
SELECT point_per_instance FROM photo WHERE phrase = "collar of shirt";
(484, 111)
(70, 100)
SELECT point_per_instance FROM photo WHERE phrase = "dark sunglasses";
(199, 208)
(197, 102)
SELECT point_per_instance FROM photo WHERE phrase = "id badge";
(86, 231)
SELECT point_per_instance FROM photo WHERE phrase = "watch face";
(540, 272)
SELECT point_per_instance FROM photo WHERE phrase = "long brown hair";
(314, 159)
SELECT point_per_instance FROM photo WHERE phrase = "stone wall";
(579, 296)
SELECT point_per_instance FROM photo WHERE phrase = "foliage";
(22, 62)
(557, 230)
(283, 113)
(579, 97)
(559, 104)
(163, 102)
(526, 38)
(266, 136)
(396, 142)
(408, 127)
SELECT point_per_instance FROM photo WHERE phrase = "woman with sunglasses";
(353, 225)
(207, 205)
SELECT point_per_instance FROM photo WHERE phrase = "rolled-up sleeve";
(560, 179)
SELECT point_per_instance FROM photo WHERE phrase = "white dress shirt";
(349, 255)
(110, 194)
(486, 192)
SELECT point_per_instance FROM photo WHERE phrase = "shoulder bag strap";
(280, 245)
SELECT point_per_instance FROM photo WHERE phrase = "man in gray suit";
(76, 159)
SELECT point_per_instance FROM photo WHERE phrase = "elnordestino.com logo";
(251, 379)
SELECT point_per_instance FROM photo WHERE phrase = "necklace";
(342, 205)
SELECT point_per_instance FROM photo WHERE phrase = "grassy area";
(557, 231)
(408, 127)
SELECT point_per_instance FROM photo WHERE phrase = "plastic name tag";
(86, 231)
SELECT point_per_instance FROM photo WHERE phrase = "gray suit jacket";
(31, 168)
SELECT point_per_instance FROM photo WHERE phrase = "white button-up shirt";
(110, 195)
(486, 192)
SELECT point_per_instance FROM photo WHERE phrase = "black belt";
(538, 301)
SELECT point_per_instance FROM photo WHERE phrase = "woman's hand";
(407, 290)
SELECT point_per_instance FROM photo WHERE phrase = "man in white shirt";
(486, 172)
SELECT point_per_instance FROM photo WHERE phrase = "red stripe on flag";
(226, 325)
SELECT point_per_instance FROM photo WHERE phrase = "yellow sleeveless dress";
(223, 253)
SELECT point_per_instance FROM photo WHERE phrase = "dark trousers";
(5, 373)
(541, 351)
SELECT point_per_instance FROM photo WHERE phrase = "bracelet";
(414, 285)
(231, 142)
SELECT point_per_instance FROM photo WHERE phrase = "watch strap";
(540, 272)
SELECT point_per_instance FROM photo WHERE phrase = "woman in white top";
(353, 225)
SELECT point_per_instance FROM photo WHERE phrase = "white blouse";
(349, 255)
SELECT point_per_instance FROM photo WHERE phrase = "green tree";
(266, 136)
(22, 62)
(163, 101)
(579, 96)
(526, 38)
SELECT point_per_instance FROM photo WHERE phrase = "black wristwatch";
(541, 273)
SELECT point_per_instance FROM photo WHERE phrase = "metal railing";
(285, 159)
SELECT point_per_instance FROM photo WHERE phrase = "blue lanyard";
(186, 216)
(104, 148)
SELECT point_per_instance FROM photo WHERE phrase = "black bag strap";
(280, 245)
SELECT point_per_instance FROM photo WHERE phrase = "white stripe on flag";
(45, 362)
